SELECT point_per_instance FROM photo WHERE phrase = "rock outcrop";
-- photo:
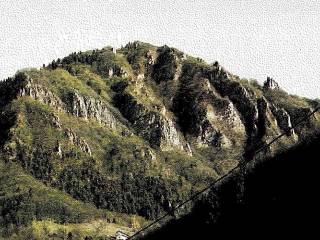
(74, 103)
(263, 117)
(271, 84)
(87, 107)
(229, 115)
(77, 141)
(283, 119)
(298, 114)
(58, 149)
(110, 72)
(239, 96)
(145, 153)
(161, 132)
(209, 136)
(150, 58)
(218, 71)
(55, 120)
(222, 113)
(40, 93)
(204, 114)
(158, 130)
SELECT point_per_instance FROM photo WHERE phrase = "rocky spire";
(271, 84)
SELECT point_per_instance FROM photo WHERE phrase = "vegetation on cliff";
(123, 136)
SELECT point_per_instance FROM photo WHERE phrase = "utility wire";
(224, 176)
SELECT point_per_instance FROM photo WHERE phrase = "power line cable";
(224, 176)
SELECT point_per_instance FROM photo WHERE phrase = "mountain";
(113, 138)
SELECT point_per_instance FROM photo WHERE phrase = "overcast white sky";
(253, 39)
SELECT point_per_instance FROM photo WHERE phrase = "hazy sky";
(253, 39)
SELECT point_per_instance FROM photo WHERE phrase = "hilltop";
(122, 135)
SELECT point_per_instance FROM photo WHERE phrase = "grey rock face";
(283, 119)
(240, 98)
(157, 129)
(226, 116)
(39, 92)
(55, 120)
(271, 84)
(264, 117)
(86, 107)
(150, 58)
(58, 149)
(77, 141)
(76, 104)
(110, 72)
(231, 116)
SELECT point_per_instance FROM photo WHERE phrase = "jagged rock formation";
(263, 112)
(40, 93)
(239, 96)
(201, 110)
(158, 130)
(283, 119)
(86, 107)
(150, 58)
(55, 120)
(271, 84)
(58, 149)
(74, 103)
(138, 129)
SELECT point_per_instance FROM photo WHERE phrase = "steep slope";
(138, 129)
(280, 199)
(25, 202)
